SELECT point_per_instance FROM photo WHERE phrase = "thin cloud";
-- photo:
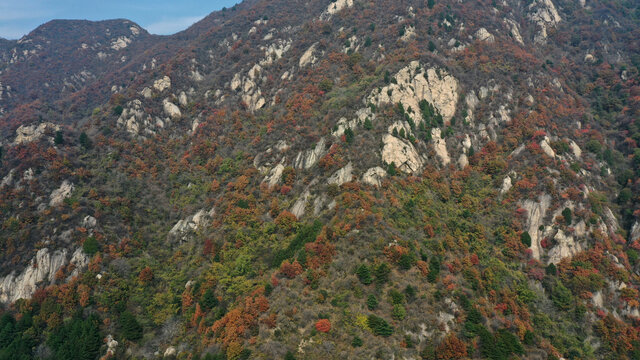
(172, 26)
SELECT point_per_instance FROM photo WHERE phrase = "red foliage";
(451, 348)
(146, 275)
(291, 270)
(323, 325)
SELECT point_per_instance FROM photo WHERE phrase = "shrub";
(379, 326)
(356, 342)
(129, 327)
(364, 274)
(526, 239)
(451, 348)
(398, 312)
(567, 216)
(90, 246)
(209, 300)
(323, 325)
(372, 302)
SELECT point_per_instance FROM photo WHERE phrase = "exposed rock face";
(298, 208)
(440, 146)
(342, 176)
(374, 176)
(172, 110)
(483, 35)
(182, 230)
(635, 232)
(306, 159)
(42, 269)
(137, 122)
(171, 351)
(64, 191)
(506, 185)
(338, 5)
(274, 175)
(546, 147)
(566, 247)
(162, 84)
(576, 149)
(414, 84)
(545, 15)
(536, 211)
(248, 88)
(402, 154)
(29, 133)
(515, 30)
(120, 43)
(308, 58)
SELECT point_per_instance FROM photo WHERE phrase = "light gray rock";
(299, 207)
(374, 176)
(162, 84)
(274, 175)
(566, 246)
(172, 110)
(89, 222)
(41, 270)
(440, 146)
(29, 133)
(306, 159)
(635, 232)
(402, 154)
(546, 147)
(338, 5)
(171, 351)
(506, 185)
(483, 35)
(342, 176)
(183, 229)
(64, 191)
(536, 213)
(414, 84)
(308, 58)
(544, 14)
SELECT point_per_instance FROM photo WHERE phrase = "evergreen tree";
(129, 327)
(59, 138)
(364, 274)
(209, 300)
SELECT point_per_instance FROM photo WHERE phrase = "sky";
(162, 17)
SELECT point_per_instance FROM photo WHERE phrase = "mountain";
(325, 179)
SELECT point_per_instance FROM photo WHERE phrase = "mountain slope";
(329, 179)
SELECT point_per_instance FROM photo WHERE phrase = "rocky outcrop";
(483, 35)
(546, 147)
(274, 175)
(338, 5)
(41, 270)
(300, 205)
(506, 185)
(577, 152)
(137, 122)
(414, 84)
(29, 133)
(248, 89)
(515, 31)
(544, 14)
(342, 176)
(402, 154)
(172, 110)
(635, 232)
(183, 229)
(536, 212)
(566, 246)
(162, 84)
(306, 159)
(308, 57)
(440, 146)
(374, 176)
(64, 191)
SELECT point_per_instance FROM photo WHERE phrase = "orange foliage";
(323, 325)
(451, 348)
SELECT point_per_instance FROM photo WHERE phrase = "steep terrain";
(325, 179)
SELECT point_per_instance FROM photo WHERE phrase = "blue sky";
(19, 17)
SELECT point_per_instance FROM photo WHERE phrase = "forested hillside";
(334, 179)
